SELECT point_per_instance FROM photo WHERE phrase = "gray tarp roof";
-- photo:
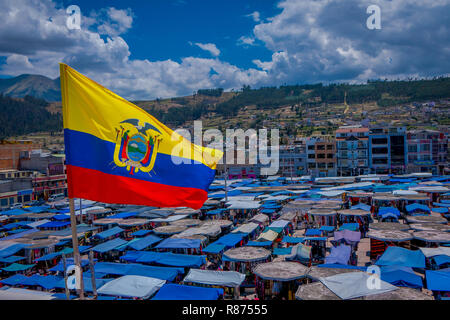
(431, 252)
(24, 294)
(132, 286)
(218, 278)
(354, 285)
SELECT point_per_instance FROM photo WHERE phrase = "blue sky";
(164, 48)
(163, 29)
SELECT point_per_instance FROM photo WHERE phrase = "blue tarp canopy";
(13, 225)
(181, 292)
(61, 217)
(389, 209)
(18, 267)
(179, 244)
(109, 245)
(164, 273)
(259, 243)
(441, 259)
(9, 251)
(230, 239)
(361, 206)
(313, 232)
(402, 257)
(46, 282)
(49, 256)
(14, 280)
(327, 228)
(144, 243)
(123, 215)
(38, 209)
(440, 210)
(141, 233)
(268, 211)
(417, 207)
(445, 205)
(288, 239)
(340, 266)
(386, 215)
(401, 277)
(350, 226)
(11, 259)
(438, 280)
(165, 258)
(282, 251)
(70, 262)
(214, 248)
(54, 224)
(339, 254)
(172, 259)
(216, 211)
(14, 212)
(109, 233)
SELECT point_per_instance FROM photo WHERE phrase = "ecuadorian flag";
(118, 153)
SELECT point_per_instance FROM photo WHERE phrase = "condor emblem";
(136, 145)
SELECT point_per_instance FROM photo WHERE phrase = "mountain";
(37, 86)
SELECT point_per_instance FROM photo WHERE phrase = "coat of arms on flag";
(136, 145)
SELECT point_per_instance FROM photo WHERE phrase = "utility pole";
(76, 252)
(81, 213)
(226, 187)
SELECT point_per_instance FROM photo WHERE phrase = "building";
(11, 152)
(427, 151)
(50, 177)
(292, 159)
(321, 156)
(388, 150)
(15, 187)
(352, 144)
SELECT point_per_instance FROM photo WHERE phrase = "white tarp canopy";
(25, 294)
(431, 189)
(355, 284)
(132, 286)
(349, 186)
(246, 228)
(170, 219)
(216, 278)
(240, 198)
(269, 235)
(279, 224)
(37, 223)
(276, 198)
(439, 251)
(238, 205)
(331, 193)
(404, 192)
(260, 217)
(209, 230)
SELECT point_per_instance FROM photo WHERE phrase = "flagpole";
(76, 252)
(226, 187)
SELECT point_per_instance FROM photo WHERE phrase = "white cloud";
(210, 47)
(310, 41)
(328, 40)
(116, 22)
(246, 41)
(255, 16)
